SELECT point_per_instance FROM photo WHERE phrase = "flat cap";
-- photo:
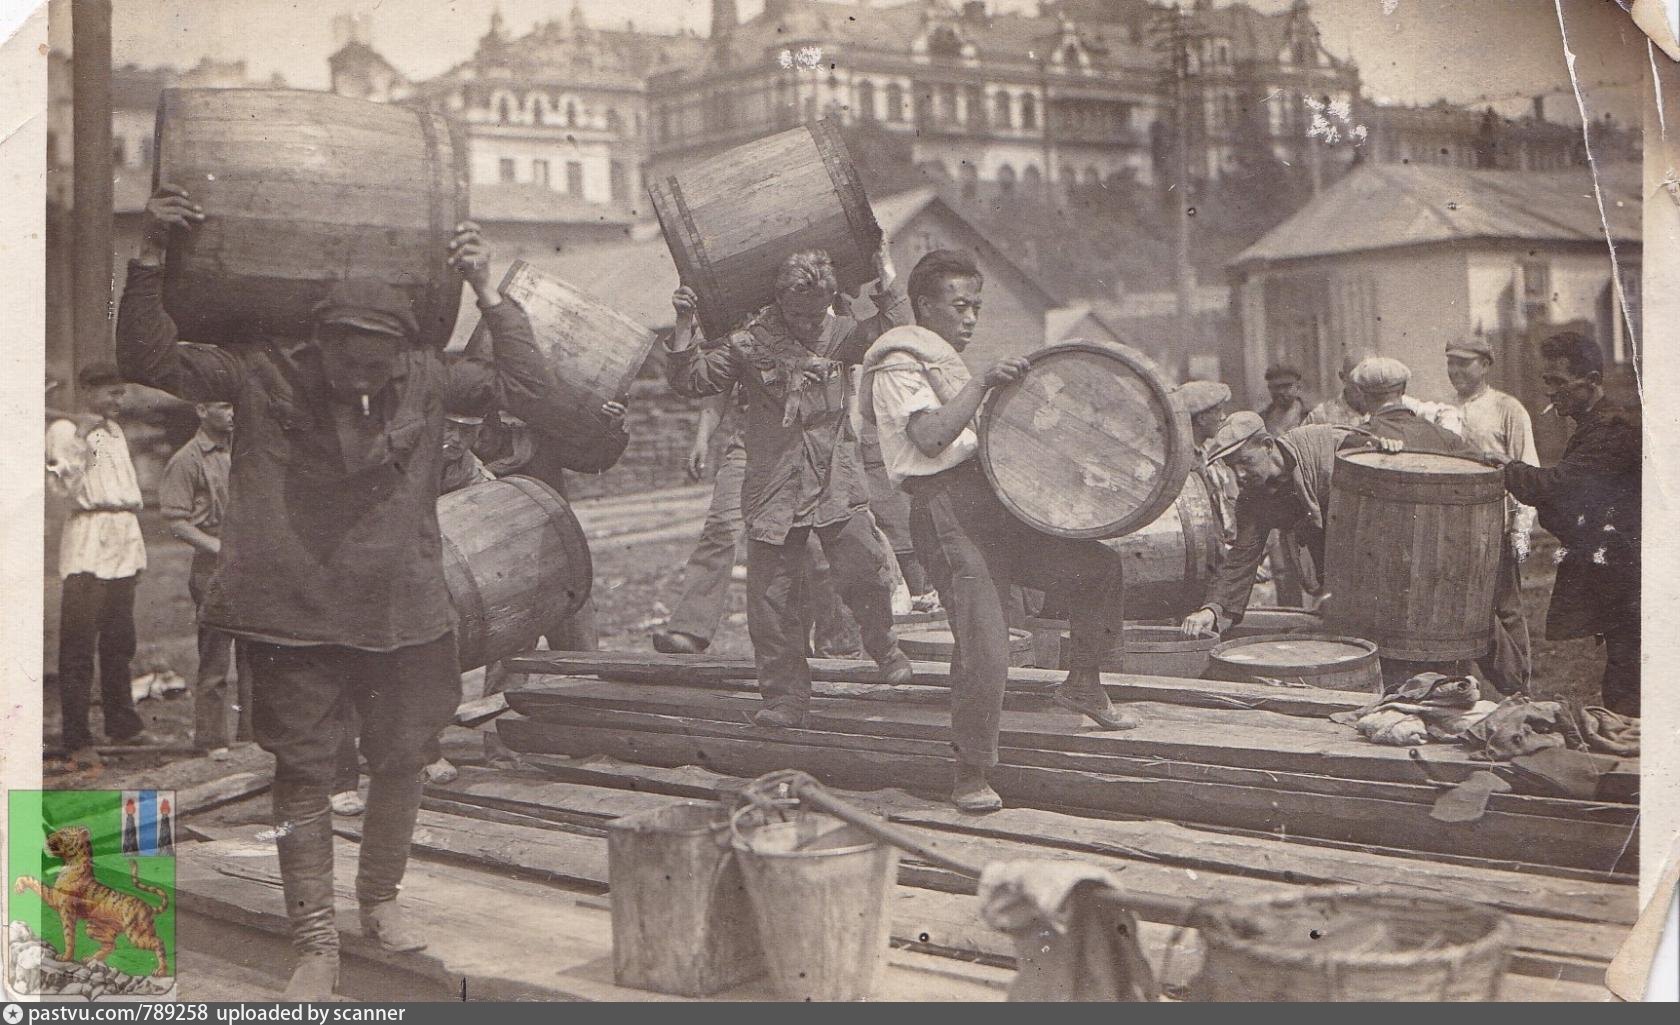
(464, 418)
(1201, 396)
(368, 306)
(1379, 374)
(1282, 372)
(1237, 430)
(1474, 345)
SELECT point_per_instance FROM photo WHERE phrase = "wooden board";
(1338, 751)
(687, 670)
(868, 763)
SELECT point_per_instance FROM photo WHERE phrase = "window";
(571, 114)
(866, 100)
(1070, 55)
(1536, 291)
(119, 151)
(1032, 179)
(1029, 112)
(970, 180)
(505, 170)
(895, 103)
(975, 101)
(539, 172)
(944, 43)
(537, 105)
(1006, 179)
(574, 178)
(618, 181)
(948, 103)
(504, 111)
(615, 124)
(1000, 110)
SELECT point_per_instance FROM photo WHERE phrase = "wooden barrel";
(515, 562)
(732, 219)
(299, 190)
(1302, 659)
(1260, 620)
(1411, 553)
(1169, 562)
(594, 351)
(1087, 443)
(935, 643)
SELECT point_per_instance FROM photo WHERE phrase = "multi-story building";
(1081, 93)
(563, 107)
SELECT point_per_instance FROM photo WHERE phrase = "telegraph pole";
(90, 34)
(1177, 45)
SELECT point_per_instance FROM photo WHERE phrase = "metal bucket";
(820, 889)
(681, 919)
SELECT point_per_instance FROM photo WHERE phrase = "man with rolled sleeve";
(923, 400)
(331, 566)
(803, 474)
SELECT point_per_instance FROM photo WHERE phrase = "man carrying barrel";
(1591, 501)
(804, 473)
(331, 564)
(923, 401)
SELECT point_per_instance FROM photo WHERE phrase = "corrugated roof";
(1388, 205)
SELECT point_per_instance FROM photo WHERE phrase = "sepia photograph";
(839, 500)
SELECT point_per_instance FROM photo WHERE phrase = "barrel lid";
(1419, 462)
(1294, 651)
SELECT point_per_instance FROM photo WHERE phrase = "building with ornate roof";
(1080, 93)
(563, 107)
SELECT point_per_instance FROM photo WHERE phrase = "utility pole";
(1179, 37)
(90, 34)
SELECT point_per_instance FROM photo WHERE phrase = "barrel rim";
(1369, 656)
(1422, 476)
(1178, 455)
(1166, 645)
(545, 496)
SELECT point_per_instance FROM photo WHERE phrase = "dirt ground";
(635, 587)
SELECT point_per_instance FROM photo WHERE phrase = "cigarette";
(1548, 408)
(365, 410)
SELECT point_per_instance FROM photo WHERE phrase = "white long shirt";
(96, 478)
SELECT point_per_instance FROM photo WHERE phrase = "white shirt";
(1497, 422)
(96, 477)
(899, 394)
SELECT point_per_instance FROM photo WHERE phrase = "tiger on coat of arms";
(79, 895)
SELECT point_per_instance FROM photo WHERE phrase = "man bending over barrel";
(923, 401)
(804, 473)
(331, 565)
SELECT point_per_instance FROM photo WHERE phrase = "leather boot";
(303, 824)
(393, 802)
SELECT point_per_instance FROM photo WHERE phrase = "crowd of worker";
(309, 498)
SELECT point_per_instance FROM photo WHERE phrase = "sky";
(1414, 51)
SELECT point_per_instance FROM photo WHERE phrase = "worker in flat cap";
(1287, 409)
(1206, 403)
(1284, 487)
(100, 557)
(332, 564)
(1338, 409)
(804, 472)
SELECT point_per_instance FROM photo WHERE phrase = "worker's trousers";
(96, 622)
(1620, 684)
(1509, 665)
(224, 673)
(986, 550)
(302, 697)
(776, 613)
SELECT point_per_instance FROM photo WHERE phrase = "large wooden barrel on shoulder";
(731, 219)
(594, 352)
(1089, 443)
(300, 190)
(1411, 553)
(1169, 562)
(515, 561)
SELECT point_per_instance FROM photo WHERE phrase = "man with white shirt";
(923, 401)
(100, 557)
(1498, 423)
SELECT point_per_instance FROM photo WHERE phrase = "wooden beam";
(90, 30)
(869, 763)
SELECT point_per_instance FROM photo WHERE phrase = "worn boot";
(1083, 692)
(393, 802)
(304, 840)
(972, 793)
(895, 666)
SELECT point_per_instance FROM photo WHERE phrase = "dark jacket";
(1418, 434)
(331, 533)
(1590, 501)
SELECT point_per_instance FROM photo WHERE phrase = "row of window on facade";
(542, 112)
(940, 103)
(618, 176)
(1030, 178)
